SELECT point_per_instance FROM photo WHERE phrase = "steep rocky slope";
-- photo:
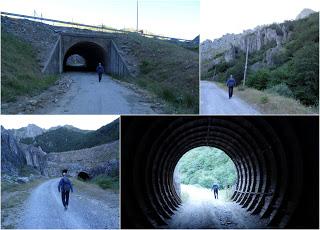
(26, 132)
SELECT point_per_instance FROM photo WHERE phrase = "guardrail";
(100, 28)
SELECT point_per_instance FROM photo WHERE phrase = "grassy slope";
(167, 70)
(268, 103)
(20, 74)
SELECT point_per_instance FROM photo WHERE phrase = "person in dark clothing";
(231, 83)
(100, 71)
(215, 189)
(64, 187)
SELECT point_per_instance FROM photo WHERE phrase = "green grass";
(20, 74)
(168, 71)
(271, 103)
(106, 182)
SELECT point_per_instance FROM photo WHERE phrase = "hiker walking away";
(64, 187)
(231, 83)
(100, 71)
(215, 189)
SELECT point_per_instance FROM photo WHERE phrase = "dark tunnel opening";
(276, 159)
(83, 176)
(92, 53)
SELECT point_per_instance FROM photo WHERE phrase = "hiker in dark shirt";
(215, 189)
(100, 71)
(231, 83)
(64, 187)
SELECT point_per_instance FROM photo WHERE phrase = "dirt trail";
(44, 209)
(201, 210)
(89, 96)
(214, 100)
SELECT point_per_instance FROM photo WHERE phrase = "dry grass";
(268, 103)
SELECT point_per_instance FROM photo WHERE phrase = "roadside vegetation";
(168, 71)
(20, 73)
(292, 81)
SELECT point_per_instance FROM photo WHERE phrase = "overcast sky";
(174, 18)
(86, 122)
(219, 17)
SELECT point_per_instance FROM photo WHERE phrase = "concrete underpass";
(276, 160)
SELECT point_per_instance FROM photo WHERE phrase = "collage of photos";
(159, 114)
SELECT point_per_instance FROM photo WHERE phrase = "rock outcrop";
(28, 131)
(35, 157)
(304, 13)
(12, 156)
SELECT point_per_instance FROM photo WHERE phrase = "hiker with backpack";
(64, 187)
(231, 83)
(100, 71)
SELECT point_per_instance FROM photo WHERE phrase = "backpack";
(66, 185)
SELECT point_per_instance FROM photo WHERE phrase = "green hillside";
(206, 165)
(169, 71)
(66, 139)
(20, 73)
(295, 72)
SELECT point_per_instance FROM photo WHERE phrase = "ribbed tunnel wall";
(272, 160)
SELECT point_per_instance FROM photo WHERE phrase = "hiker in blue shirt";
(231, 83)
(215, 189)
(64, 187)
(100, 71)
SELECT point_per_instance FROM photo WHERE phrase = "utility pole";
(245, 67)
(137, 15)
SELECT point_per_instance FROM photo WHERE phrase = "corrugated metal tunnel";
(276, 159)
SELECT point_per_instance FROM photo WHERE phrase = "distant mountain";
(28, 131)
(304, 13)
(68, 138)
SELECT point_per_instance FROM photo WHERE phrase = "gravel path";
(44, 209)
(87, 96)
(214, 100)
(201, 210)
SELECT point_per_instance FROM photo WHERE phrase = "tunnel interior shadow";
(92, 53)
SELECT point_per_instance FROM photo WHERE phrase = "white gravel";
(214, 100)
(44, 209)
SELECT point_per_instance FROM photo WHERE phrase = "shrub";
(264, 99)
(281, 89)
(259, 79)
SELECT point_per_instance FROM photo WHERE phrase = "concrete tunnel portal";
(267, 152)
(92, 54)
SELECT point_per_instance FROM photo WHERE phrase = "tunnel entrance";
(84, 56)
(83, 176)
(205, 170)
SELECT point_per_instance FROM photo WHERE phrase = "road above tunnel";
(44, 209)
(87, 95)
(201, 210)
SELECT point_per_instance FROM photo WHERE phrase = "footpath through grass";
(20, 73)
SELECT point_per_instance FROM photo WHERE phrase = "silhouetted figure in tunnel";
(215, 189)
(100, 71)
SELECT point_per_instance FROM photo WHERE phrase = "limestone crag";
(12, 156)
(35, 157)
(30, 130)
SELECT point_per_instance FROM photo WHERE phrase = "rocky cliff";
(269, 39)
(12, 156)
